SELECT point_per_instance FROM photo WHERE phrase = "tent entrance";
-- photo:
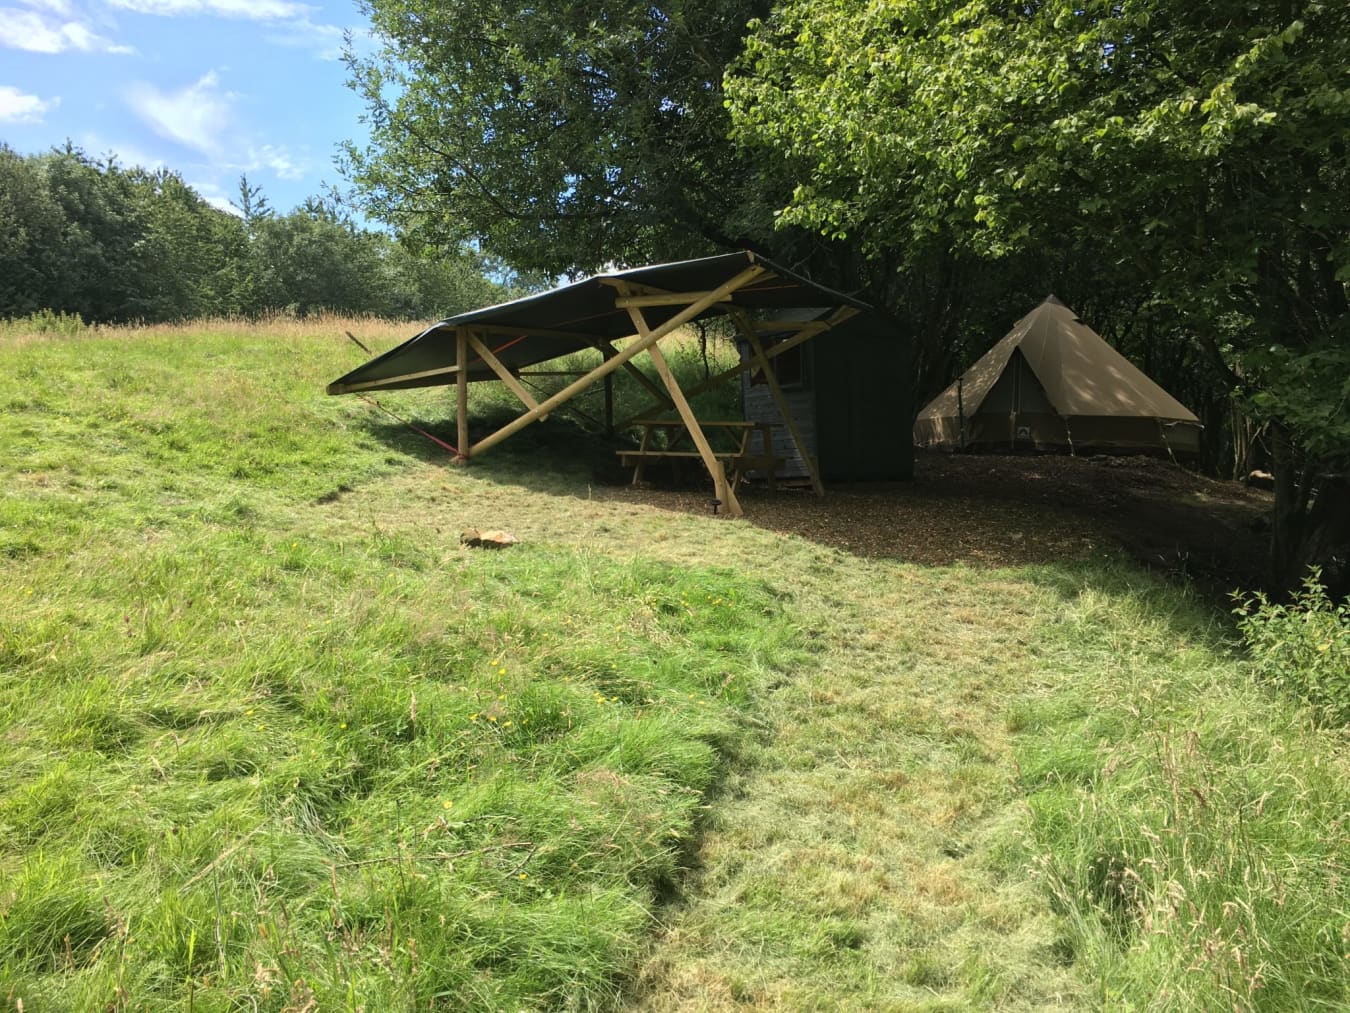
(1018, 404)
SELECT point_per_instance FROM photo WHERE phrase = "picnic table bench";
(739, 460)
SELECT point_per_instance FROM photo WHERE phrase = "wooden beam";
(608, 366)
(658, 299)
(503, 374)
(627, 287)
(540, 332)
(462, 393)
(747, 327)
(806, 333)
(722, 488)
(351, 388)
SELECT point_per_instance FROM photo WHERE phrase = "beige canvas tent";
(1052, 383)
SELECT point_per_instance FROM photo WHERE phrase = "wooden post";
(462, 393)
(607, 352)
(722, 488)
(642, 447)
(609, 366)
(609, 404)
(748, 327)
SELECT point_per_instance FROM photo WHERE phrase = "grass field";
(274, 740)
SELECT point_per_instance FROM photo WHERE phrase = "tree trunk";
(1287, 523)
(1310, 526)
(1246, 448)
(1326, 541)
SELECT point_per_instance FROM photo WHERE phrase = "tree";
(114, 244)
(94, 262)
(31, 224)
(253, 206)
(187, 250)
(566, 136)
(433, 284)
(312, 260)
(1195, 158)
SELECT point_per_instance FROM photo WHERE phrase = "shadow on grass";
(556, 456)
(984, 511)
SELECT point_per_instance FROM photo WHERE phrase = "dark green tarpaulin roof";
(525, 332)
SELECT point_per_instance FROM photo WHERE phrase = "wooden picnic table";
(739, 460)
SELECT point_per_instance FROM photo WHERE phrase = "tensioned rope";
(417, 429)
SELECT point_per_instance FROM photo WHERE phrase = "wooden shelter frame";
(474, 338)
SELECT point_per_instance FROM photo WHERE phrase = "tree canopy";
(565, 136)
(1195, 162)
(114, 244)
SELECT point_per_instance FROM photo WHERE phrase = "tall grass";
(259, 760)
(1193, 824)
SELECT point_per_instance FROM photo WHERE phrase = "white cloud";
(325, 40)
(127, 155)
(37, 33)
(61, 7)
(19, 107)
(276, 158)
(202, 116)
(252, 10)
(215, 196)
(198, 116)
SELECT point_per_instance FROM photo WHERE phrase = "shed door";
(863, 412)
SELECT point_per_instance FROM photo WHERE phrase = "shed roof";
(576, 316)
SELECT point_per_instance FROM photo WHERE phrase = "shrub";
(46, 322)
(1302, 647)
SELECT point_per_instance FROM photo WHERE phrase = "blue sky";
(211, 88)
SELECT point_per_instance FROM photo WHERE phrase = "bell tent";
(1052, 383)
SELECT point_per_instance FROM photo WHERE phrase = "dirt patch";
(991, 510)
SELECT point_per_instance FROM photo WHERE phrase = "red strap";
(434, 439)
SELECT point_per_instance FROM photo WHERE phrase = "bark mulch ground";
(996, 510)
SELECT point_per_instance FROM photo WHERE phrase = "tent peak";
(1053, 300)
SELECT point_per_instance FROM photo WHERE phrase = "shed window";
(787, 366)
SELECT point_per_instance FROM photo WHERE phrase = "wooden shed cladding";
(849, 393)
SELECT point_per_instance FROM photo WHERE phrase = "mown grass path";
(866, 848)
(870, 855)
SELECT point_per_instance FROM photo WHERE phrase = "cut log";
(476, 539)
